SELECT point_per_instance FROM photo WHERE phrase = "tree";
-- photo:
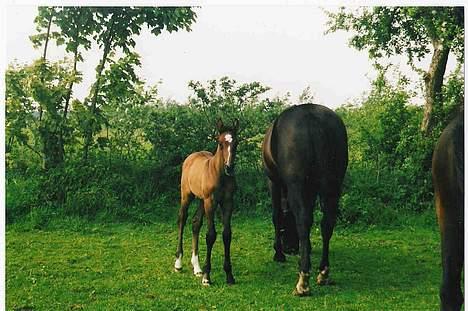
(118, 26)
(307, 96)
(224, 99)
(113, 29)
(413, 31)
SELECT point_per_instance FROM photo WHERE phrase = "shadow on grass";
(373, 267)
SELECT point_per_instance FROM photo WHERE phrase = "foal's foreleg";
(197, 222)
(210, 239)
(227, 235)
(181, 220)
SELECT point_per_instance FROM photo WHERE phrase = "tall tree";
(118, 27)
(414, 31)
(114, 30)
(76, 26)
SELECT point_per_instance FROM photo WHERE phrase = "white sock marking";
(178, 263)
(196, 264)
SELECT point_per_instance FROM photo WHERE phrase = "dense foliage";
(416, 32)
(117, 155)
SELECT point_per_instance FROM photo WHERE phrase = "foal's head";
(227, 142)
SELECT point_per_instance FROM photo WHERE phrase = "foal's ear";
(219, 125)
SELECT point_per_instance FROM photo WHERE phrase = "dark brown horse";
(305, 154)
(209, 178)
(448, 180)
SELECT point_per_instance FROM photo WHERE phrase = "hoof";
(178, 263)
(230, 280)
(303, 292)
(326, 282)
(198, 274)
(302, 287)
(323, 278)
(206, 281)
(279, 257)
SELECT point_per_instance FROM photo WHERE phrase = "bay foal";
(209, 178)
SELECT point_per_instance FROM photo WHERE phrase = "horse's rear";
(448, 180)
(305, 157)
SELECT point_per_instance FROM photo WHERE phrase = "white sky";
(281, 46)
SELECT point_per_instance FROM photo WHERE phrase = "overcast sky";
(283, 47)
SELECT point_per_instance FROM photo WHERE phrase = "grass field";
(130, 267)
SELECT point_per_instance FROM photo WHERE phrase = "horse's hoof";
(323, 278)
(327, 281)
(198, 274)
(302, 286)
(302, 292)
(178, 270)
(206, 281)
(279, 257)
(230, 280)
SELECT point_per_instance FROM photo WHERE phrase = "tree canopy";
(412, 31)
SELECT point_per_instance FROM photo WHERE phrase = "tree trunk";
(44, 53)
(50, 130)
(70, 87)
(107, 47)
(433, 81)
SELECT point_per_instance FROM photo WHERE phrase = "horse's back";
(195, 158)
(309, 142)
(448, 168)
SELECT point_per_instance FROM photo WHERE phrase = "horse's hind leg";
(275, 192)
(330, 210)
(303, 215)
(452, 263)
(197, 222)
(227, 235)
(181, 220)
(210, 239)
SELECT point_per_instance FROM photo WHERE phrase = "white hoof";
(197, 271)
(302, 286)
(206, 282)
(178, 264)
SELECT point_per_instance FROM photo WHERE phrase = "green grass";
(130, 267)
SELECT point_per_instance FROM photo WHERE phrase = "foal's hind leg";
(197, 222)
(329, 209)
(181, 220)
(210, 239)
